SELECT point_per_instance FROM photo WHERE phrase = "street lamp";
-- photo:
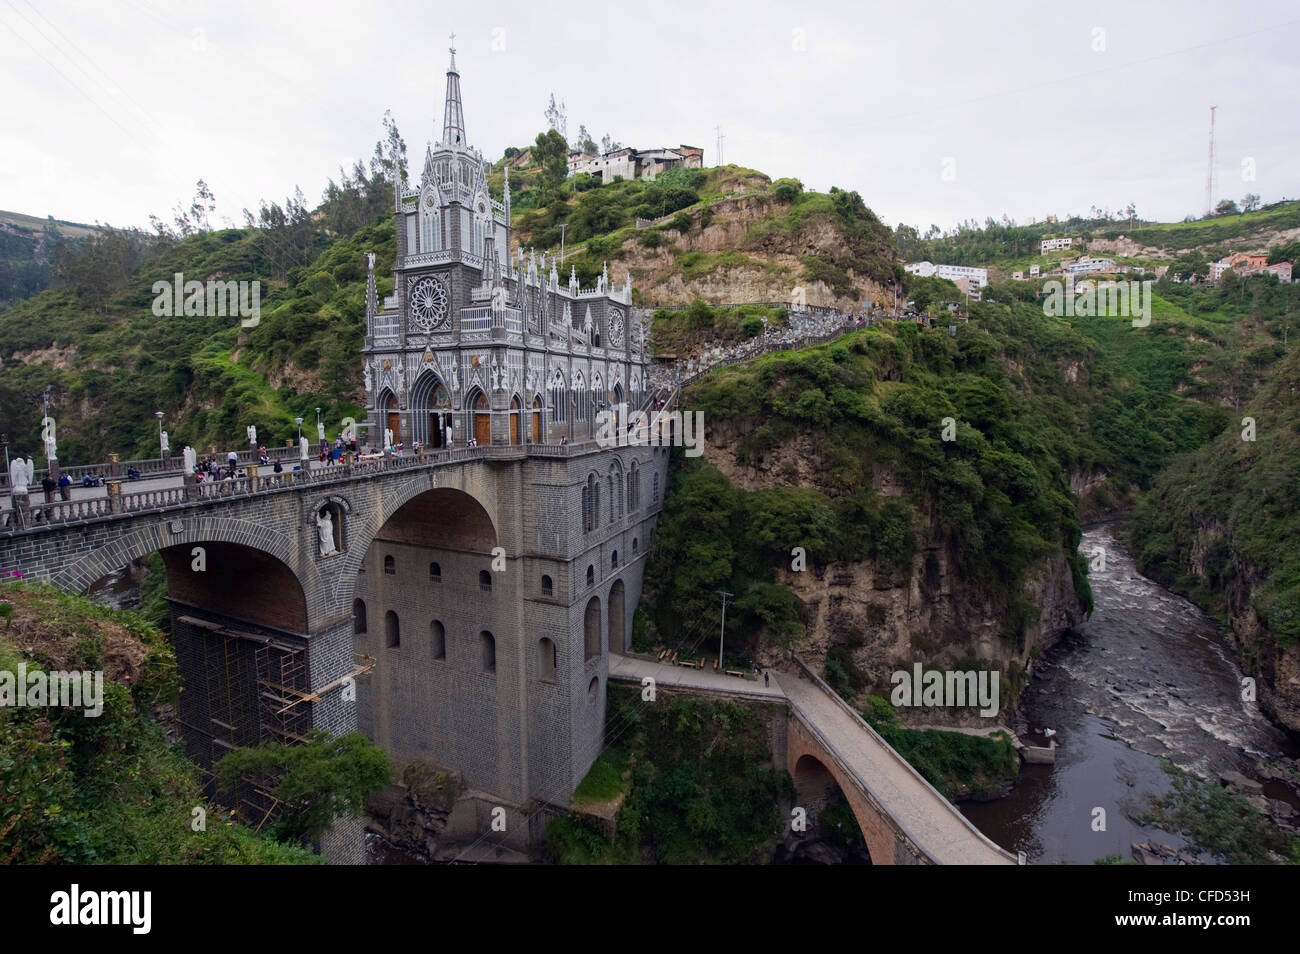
(298, 421)
(159, 415)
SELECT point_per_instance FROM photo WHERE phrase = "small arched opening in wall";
(547, 659)
(591, 629)
(593, 690)
(392, 630)
(438, 639)
(616, 613)
(329, 517)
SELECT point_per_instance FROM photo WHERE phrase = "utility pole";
(723, 637)
(718, 130)
(1209, 173)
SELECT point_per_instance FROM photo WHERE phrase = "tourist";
(232, 460)
(65, 487)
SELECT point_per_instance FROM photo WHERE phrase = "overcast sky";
(935, 112)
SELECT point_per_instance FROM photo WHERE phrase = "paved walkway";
(933, 823)
(635, 668)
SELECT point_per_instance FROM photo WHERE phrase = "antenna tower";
(1209, 172)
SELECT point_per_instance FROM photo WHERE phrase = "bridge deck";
(930, 820)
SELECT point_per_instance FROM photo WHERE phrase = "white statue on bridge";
(388, 437)
(191, 460)
(163, 443)
(48, 435)
(20, 477)
(325, 525)
(252, 434)
(302, 448)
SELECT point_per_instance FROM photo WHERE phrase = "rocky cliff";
(887, 618)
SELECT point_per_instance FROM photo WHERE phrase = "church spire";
(453, 119)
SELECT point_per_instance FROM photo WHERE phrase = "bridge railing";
(151, 467)
(37, 513)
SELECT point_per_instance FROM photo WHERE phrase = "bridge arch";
(161, 535)
(817, 787)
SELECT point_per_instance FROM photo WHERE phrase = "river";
(1147, 677)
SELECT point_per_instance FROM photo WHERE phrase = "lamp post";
(298, 421)
(159, 415)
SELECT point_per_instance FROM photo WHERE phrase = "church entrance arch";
(393, 418)
(482, 419)
(430, 410)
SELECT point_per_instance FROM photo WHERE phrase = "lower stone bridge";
(826, 746)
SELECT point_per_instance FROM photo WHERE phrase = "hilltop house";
(636, 164)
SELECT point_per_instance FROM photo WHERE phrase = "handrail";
(38, 514)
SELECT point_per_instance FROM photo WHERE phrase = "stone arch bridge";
(466, 615)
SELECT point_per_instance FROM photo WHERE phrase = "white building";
(951, 272)
(1033, 271)
(1085, 265)
(1054, 244)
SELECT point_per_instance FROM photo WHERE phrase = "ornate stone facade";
(499, 347)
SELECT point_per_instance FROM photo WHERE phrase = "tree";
(389, 159)
(204, 203)
(1250, 203)
(1227, 207)
(551, 153)
(609, 145)
(316, 782)
(584, 143)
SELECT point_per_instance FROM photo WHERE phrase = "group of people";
(207, 469)
(334, 454)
